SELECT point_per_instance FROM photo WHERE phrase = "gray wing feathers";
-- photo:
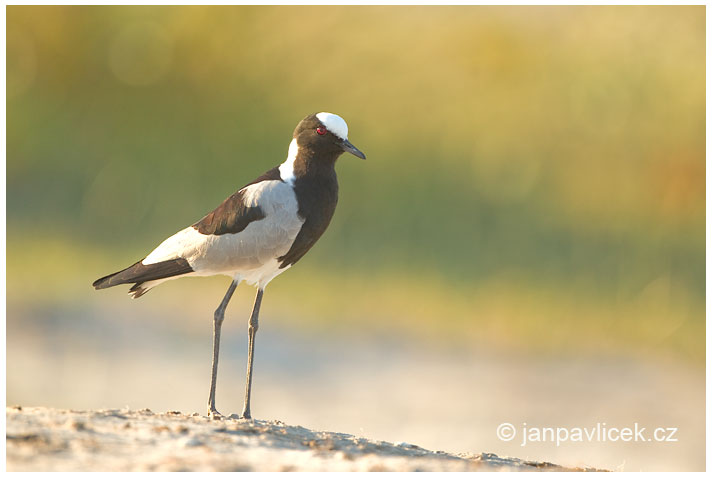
(260, 242)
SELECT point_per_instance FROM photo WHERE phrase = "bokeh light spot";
(21, 63)
(141, 54)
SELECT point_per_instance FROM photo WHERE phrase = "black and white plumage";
(258, 232)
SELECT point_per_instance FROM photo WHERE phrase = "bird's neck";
(304, 162)
(308, 163)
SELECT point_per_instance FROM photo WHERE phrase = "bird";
(255, 234)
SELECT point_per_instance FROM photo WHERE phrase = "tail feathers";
(137, 290)
(140, 273)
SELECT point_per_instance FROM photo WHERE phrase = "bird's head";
(325, 133)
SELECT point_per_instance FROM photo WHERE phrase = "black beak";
(350, 148)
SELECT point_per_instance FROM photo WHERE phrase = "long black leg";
(217, 325)
(251, 332)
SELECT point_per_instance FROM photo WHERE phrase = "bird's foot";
(214, 414)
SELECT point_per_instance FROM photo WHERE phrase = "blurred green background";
(535, 180)
(535, 175)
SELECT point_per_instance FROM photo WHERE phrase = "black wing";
(140, 272)
(233, 216)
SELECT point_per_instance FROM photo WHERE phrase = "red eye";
(321, 130)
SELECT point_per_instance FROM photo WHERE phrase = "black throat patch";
(317, 191)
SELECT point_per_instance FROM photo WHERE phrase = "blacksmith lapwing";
(255, 234)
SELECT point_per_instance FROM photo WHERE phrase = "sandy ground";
(46, 439)
(380, 386)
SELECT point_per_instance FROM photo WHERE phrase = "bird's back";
(241, 237)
